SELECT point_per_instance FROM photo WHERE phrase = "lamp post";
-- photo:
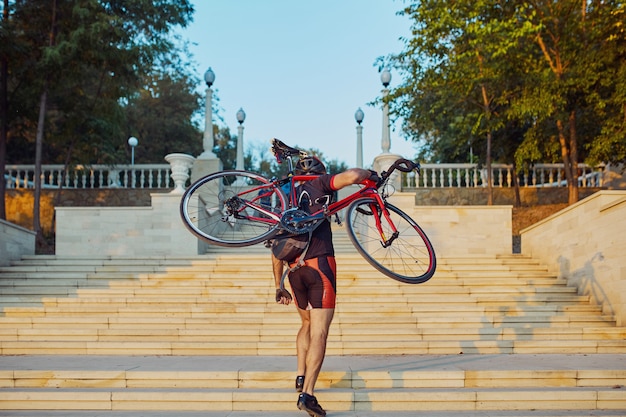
(241, 116)
(132, 141)
(385, 78)
(383, 161)
(207, 139)
(358, 116)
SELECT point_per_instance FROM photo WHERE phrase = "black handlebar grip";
(405, 165)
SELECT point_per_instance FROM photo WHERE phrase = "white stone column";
(207, 139)
(358, 116)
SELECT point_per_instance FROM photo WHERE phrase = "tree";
(80, 61)
(457, 75)
(551, 72)
(161, 116)
(575, 89)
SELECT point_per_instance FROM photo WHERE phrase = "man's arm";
(349, 177)
(282, 296)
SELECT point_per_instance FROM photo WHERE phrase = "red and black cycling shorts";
(314, 283)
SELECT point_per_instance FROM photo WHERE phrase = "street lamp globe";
(385, 78)
(132, 141)
(359, 115)
(241, 116)
(209, 77)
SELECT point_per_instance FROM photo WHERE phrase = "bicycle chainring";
(292, 221)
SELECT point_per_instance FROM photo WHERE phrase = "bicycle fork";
(379, 225)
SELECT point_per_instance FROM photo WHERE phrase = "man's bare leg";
(303, 340)
(320, 319)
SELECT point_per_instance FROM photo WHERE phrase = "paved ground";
(297, 413)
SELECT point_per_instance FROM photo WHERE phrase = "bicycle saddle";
(281, 150)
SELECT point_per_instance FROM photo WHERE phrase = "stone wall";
(156, 230)
(15, 241)
(584, 243)
(19, 203)
(501, 196)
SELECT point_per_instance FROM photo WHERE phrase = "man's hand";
(374, 177)
(283, 296)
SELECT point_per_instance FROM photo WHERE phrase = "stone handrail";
(91, 176)
(431, 176)
(471, 175)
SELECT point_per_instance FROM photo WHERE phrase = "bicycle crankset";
(298, 221)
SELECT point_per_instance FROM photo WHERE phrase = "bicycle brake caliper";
(388, 243)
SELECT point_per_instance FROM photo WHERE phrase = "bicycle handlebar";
(402, 164)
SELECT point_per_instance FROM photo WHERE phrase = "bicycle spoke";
(233, 208)
(408, 258)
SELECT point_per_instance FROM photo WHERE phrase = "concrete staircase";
(485, 336)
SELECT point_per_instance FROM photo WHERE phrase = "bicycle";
(236, 208)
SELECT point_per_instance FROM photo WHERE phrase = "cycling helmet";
(310, 165)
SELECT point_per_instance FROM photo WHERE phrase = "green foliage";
(112, 71)
(546, 79)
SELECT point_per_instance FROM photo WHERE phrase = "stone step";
(286, 346)
(293, 412)
(335, 400)
(349, 334)
(435, 383)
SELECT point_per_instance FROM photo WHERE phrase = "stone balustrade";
(444, 175)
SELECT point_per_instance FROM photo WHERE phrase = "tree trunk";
(518, 199)
(4, 113)
(487, 110)
(37, 178)
(39, 139)
(489, 173)
(569, 155)
(573, 151)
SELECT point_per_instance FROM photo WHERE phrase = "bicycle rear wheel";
(233, 208)
(409, 258)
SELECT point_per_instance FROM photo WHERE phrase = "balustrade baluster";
(551, 177)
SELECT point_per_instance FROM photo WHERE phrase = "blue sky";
(300, 69)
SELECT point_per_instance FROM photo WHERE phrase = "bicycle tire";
(215, 208)
(410, 258)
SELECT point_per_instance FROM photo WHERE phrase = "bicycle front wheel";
(233, 208)
(407, 257)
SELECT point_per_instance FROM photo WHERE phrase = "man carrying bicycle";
(314, 282)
